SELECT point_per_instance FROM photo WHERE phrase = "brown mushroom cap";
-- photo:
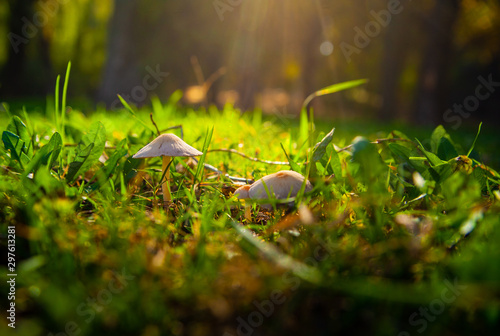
(242, 192)
(283, 184)
(166, 145)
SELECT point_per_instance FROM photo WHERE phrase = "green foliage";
(105, 173)
(16, 146)
(88, 151)
(16, 126)
(319, 149)
(47, 155)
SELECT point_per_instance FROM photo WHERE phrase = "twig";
(156, 126)
(220, 172)
(281, 163)
(172, 127)
(213, 77)
(74, 145)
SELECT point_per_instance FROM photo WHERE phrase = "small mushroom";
(167, 145)
(281, 185)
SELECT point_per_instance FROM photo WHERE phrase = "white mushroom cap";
(166, 145)
(283, 184)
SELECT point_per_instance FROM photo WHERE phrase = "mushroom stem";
(165, 186)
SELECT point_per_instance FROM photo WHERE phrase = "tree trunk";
(437, 58)
(393, 61)
(13, 74)
(121, 73)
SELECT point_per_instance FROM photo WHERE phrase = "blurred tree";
(437, 58)
(12, 74)
(426, 58)
(477, 41)
(397, 48)
(120, 71)
(44, 35)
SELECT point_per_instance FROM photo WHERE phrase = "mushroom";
(167, 145)
(281, 185)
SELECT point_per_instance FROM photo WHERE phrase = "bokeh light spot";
(326, 48)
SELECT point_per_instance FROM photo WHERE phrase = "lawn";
(399, 235)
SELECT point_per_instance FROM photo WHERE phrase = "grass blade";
(131, 111)
(56, 104)
(75, 167)
(320, 148)
(88, 151)
(475, 139)
(46, 155)
(301, 270)
(332, 89)
(206, 143)
(15, 144)
(63, 104)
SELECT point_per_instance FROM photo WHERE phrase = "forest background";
(426, 60)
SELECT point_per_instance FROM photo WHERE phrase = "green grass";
(394, 226)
